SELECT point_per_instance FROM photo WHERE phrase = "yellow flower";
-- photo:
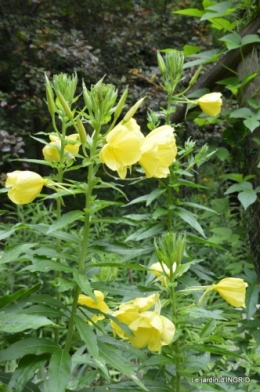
(233, 290)
(126, 314)
(123, 147)
(25, 186)
(151, 330)
(211, 103)
(51, 151)
(129, 311)
(160, 270)
(158, 152)
(100, 304)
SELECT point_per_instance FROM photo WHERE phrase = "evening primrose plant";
(85, 334)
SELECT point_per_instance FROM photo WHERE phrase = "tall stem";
(58, 215)
(85, 239)
(169, 190)
(176, 345)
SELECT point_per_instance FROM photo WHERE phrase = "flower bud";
(210, 103)
(65, 106)
(161, 63)
(121, 103)
(25, 186)
(131, 112)
(81, 131)
(170, 248)
(50, 97)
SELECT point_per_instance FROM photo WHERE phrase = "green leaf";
(214, 350)
(5, 234)
(190, 12)
(119, 289)
(26, 370)
(241, 113)
(7, 299)
(46, 299)
(24, 347)
(43, 310)
(59, 371)
(251, 123)
(154, 195)
(83, 282)
(247, 198)
(207, 56)
(249, 39)
(220, 9)
(87, 335)
(47, 265)
(13, 323)
(67, 218)
(122, 386)
(189, 218)
(140, 199)
(222, 24)
(190, 49)
(29, 387)
(208, 328)
(43, 228)
(113, 358)
(13, 253)
(252, 299)
(241, 186)
(145, 232)
(199, 206)
(222, 153)
(196, 312)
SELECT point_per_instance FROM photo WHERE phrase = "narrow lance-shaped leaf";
(59, 371)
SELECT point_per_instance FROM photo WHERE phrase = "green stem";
(169, 190)
(58, 215)
(176, 345)
(85, 239)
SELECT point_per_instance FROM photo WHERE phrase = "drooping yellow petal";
(233, 290)
(210, 103)
(25, 186)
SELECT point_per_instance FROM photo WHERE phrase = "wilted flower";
(51, 151)
(233, 290)
(160, 270)
(152, 330)
(210, 103)
(100, 304)
(25, 186)
(123, 147)
(158, 152)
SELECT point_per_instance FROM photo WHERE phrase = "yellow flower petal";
(211, 103)
(51, 151)
(123, 147)
(100, 304)
(158, 152)
(25, 186)
(153, 330)
(233, 290)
